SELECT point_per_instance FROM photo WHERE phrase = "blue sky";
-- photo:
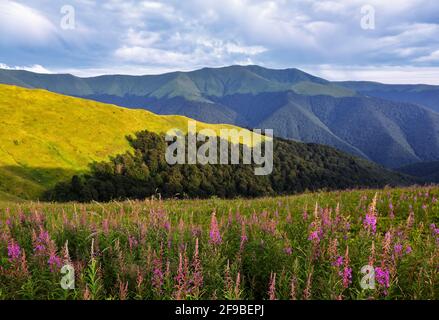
(325, 38)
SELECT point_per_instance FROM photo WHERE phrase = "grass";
(47, 137)
(309, 246)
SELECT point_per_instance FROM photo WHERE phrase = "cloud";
(384, 74)
(22, 25)
(182, 35)
(34, 68)
(432, 57)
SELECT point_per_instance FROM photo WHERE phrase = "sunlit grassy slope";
(46, 137)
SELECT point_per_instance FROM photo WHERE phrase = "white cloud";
(432, 57)
(22, 25)
(34, 68)
(384, 74)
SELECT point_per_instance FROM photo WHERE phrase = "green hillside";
(427, 171)
(46, 137)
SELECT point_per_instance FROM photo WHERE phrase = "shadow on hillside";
(31, 182)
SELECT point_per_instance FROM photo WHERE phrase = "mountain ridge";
(297, 105)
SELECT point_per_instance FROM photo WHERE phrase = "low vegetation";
(311, 246)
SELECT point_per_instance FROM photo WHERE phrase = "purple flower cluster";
(382, 276)
(338, 261)
(14, 251)
(54, 262)
(314, 236)
(370, 222)
(347, 277)
(215, 236)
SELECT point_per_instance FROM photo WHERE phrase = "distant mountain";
(425, 95)
(295, 104)
(427, 171)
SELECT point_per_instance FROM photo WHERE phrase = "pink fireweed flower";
(305, 214)
(408, 249)
(41, 241)
(54, 262)
(382, 276)
(272, 287)
(288, 251)
(133, 243)
(197, 276)
(105, 226)
(244, 237)
(314, 236)
(215, 236)
(338, 261)
(347, 277)
(157, 273)
(398, 249)
(346, 274)
(370, 222)
(14, 251)
(391, 212)
(410, 219)
(182, 277)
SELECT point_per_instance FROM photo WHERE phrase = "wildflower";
(307, 290)
(382, 276)
(347, 271)
(338, 261)
(197, 280)
(14, 251)
(372, 254)
(237, 291)
(133, 243)
(181, 278)
(398, 249)
(54, 262)
(42, 241)
(314, 236)
(244, 237)
(157, 273)
(333, 249)
(288, 251)
(272, 287)
(410, 219)
(105, 226)
(408, 249)
(305, 214)
(391, 213)
(370, 222)
(347, 277)
(215, 236)
(293, 288)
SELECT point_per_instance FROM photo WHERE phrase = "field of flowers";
(310, 246)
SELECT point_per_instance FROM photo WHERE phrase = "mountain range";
(393, 125)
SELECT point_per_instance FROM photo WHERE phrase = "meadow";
(309, 246)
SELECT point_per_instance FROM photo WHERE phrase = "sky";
(393, 41)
